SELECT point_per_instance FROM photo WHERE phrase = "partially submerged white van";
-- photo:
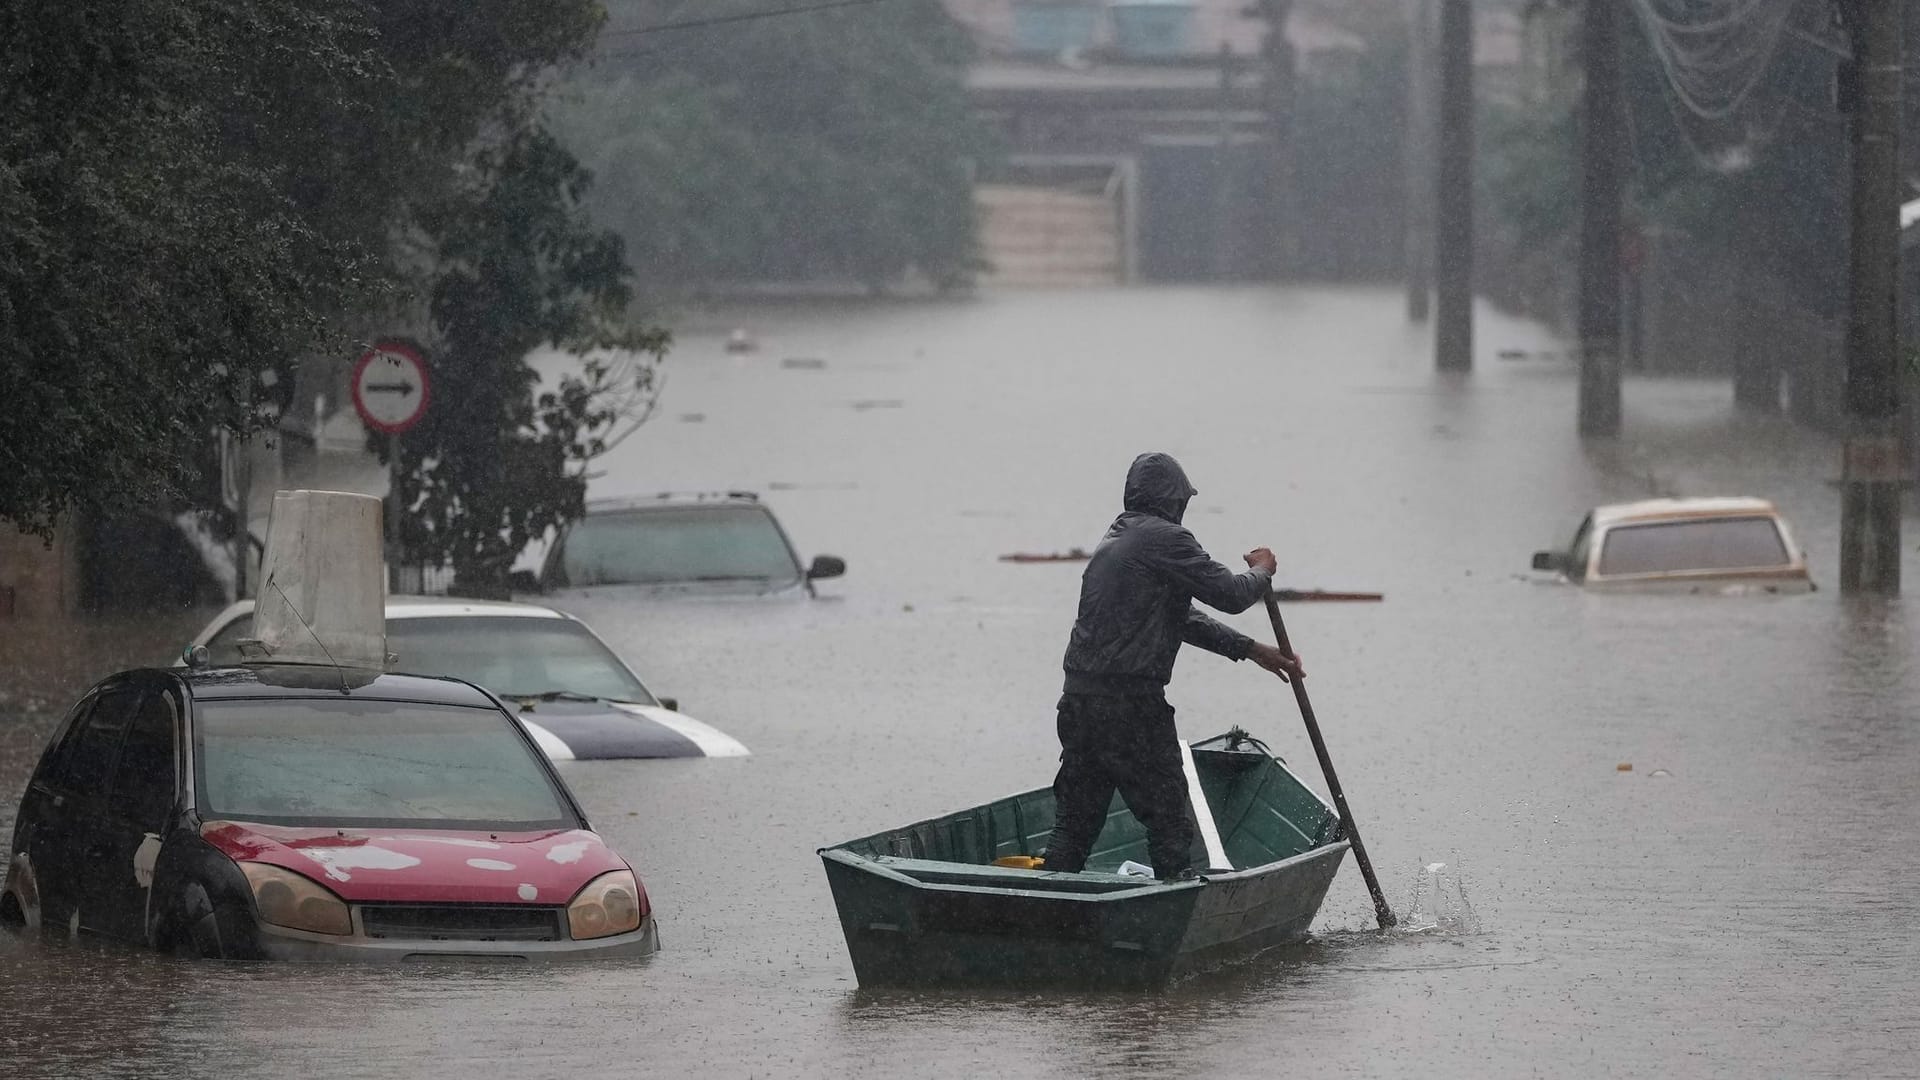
(1683, 545)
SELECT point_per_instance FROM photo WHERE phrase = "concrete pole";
(1871, 472)
(392, 510)
(1224, 225)
(1417, 150)
(1604, 154)
(1453, 236)
(1280, 83)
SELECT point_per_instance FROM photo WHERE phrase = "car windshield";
(513, 656)
(343, 761)
(1748, 543)
(695, 543)
(510, 655)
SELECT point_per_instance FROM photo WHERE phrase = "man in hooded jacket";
(1136, 608)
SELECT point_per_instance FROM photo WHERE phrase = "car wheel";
(224, 930)
(20, 903)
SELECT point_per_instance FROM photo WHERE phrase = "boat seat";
(933, 872)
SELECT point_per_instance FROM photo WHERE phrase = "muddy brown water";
(1741, 903)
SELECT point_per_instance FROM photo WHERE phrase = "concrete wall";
(37, 581)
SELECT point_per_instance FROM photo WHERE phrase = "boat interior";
(1262, 812)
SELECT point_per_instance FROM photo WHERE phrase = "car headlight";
(612, 903)
(287, 899)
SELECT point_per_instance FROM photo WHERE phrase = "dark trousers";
(1126, 744)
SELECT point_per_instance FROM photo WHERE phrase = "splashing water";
(1439, 904)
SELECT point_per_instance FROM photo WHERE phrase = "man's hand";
(1271, 658)
(1262, 559)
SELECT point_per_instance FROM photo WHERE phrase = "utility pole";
(1604, 152)
(1417, 150)
(1871, 472)
(1282, 204)
(1225, 228)
(1453, 236)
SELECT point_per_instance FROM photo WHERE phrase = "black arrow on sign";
(405, 390)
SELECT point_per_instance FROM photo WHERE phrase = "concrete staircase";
(1042, 236)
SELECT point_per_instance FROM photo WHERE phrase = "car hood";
(425, 865)
(566, 730)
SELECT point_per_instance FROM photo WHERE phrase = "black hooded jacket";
(1136, 597)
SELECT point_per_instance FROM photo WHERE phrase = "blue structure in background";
(1040, 26)
(1152, 27)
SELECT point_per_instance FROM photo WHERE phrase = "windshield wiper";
(554, 695)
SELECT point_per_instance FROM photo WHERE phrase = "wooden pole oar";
(1347, 826)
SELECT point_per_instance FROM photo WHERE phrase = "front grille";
(460, 922)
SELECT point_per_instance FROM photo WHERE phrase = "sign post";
(390, 392)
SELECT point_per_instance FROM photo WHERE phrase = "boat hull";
(902, 931)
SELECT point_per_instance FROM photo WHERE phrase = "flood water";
(1741, 902)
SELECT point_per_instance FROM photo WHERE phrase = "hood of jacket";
(1157, 485)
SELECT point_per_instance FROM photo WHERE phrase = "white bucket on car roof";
(323, 583)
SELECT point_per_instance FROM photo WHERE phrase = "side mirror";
(671, 704)
(1549, 560)
(523, 581)
(826, 566)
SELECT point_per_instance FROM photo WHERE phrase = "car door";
(75, 785)
(39, 826)
(124, 843)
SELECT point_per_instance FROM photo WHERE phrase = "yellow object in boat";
(1020, 862)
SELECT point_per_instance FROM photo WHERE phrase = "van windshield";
(1746, 543)
(325, 761)
(694, 543)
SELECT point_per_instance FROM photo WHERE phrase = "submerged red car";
(262, 813)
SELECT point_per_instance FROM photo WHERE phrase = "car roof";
(213, 684)
(431, 607)
(1649, 510)
(674, 500)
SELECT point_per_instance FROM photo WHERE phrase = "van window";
(1744, 543)
(143, 781)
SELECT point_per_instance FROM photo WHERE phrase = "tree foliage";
(154, 253)
(498, 460)
(194, 192)
(828, 145)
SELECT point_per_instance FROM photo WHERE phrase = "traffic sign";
(390, 387)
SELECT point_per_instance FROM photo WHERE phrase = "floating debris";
(878, 403)
(693, 418)
(1072, 555)
(803, 363)
(1306, 596)
(1625, 766)
(1440, 903)
(826, 485)
(741, 342)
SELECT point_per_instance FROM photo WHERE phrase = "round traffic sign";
(390, 388)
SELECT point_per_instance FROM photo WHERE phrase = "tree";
(195, 192)
(497, 461)
(827, 145)
(154, 259)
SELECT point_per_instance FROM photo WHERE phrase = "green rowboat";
(924, 904)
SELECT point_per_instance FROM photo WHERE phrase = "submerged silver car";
(574, 694)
